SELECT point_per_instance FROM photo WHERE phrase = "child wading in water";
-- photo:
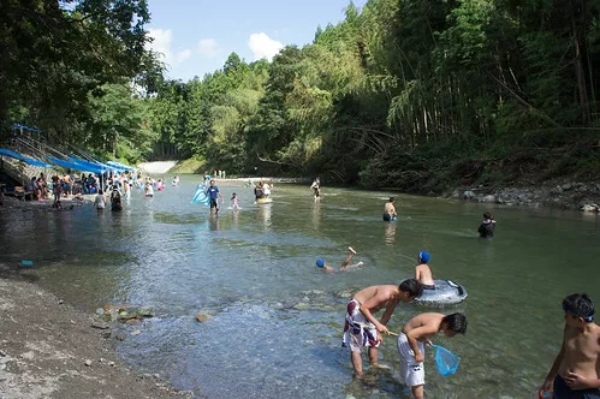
(234, 202)
(411, 344)
(486, 228)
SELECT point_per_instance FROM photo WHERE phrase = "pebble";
(88, 363)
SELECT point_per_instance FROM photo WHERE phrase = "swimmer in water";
(345, 265)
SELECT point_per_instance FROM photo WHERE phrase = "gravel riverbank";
(49, 350)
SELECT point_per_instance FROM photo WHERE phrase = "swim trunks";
(411, 372)
(213, 203)
(562, 391)
(358, 331)
(428, 287)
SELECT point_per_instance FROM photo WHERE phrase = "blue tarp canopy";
(80, 165)
(27, 160)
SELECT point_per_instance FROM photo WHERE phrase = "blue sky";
(196, 36)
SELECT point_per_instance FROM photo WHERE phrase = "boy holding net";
(362, 329)
(411, 344)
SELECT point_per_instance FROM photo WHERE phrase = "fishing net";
(445, 361)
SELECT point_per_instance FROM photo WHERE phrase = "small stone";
(60, 301)
(88, 363)
(202, 317)
(136, 332)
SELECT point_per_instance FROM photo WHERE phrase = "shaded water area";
(276, 323)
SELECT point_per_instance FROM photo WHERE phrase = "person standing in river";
(316, 187)
(486, 228)
(214, 195)
(362, 329)
(389, 211)
(575, 373)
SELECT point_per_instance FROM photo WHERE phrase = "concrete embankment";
(157, 167)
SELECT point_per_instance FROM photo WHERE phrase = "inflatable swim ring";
(200, 196)
(446, 292)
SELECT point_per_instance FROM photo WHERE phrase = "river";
(276, 321)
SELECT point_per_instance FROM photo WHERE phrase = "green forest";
(418, 95)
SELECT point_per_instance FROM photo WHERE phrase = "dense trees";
(414, 94)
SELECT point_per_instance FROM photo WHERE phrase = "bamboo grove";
(419, 95)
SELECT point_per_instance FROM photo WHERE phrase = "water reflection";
(390, 232)
(213, 222)
(234, 217)
(263, 215)
(316, 215)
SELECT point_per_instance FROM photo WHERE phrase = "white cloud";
(183, 55)
(163, 46)
(263, 46)
(209, 48)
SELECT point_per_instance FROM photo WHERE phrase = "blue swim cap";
(320, 262)
(424, 257)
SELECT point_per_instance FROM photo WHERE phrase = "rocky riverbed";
(579, 196)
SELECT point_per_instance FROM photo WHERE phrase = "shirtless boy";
(389, 212)
(362, 329)
(345, 265)
(575, 373)
(411, 344)
(423, 272)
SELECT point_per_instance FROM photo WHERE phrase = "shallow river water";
(276, 322)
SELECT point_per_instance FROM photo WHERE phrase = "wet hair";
(100, 191)
(456, 322)
(391, 199)
(487, 215)
(579, 305)
(412, 286)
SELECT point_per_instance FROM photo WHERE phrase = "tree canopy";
(405, 93)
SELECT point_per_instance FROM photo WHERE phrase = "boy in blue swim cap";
(345, 265)
(423, 272)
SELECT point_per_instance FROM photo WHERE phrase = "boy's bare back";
(423, 274)
(423, 326)
(376, 297)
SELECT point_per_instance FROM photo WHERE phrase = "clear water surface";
(276, 322)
